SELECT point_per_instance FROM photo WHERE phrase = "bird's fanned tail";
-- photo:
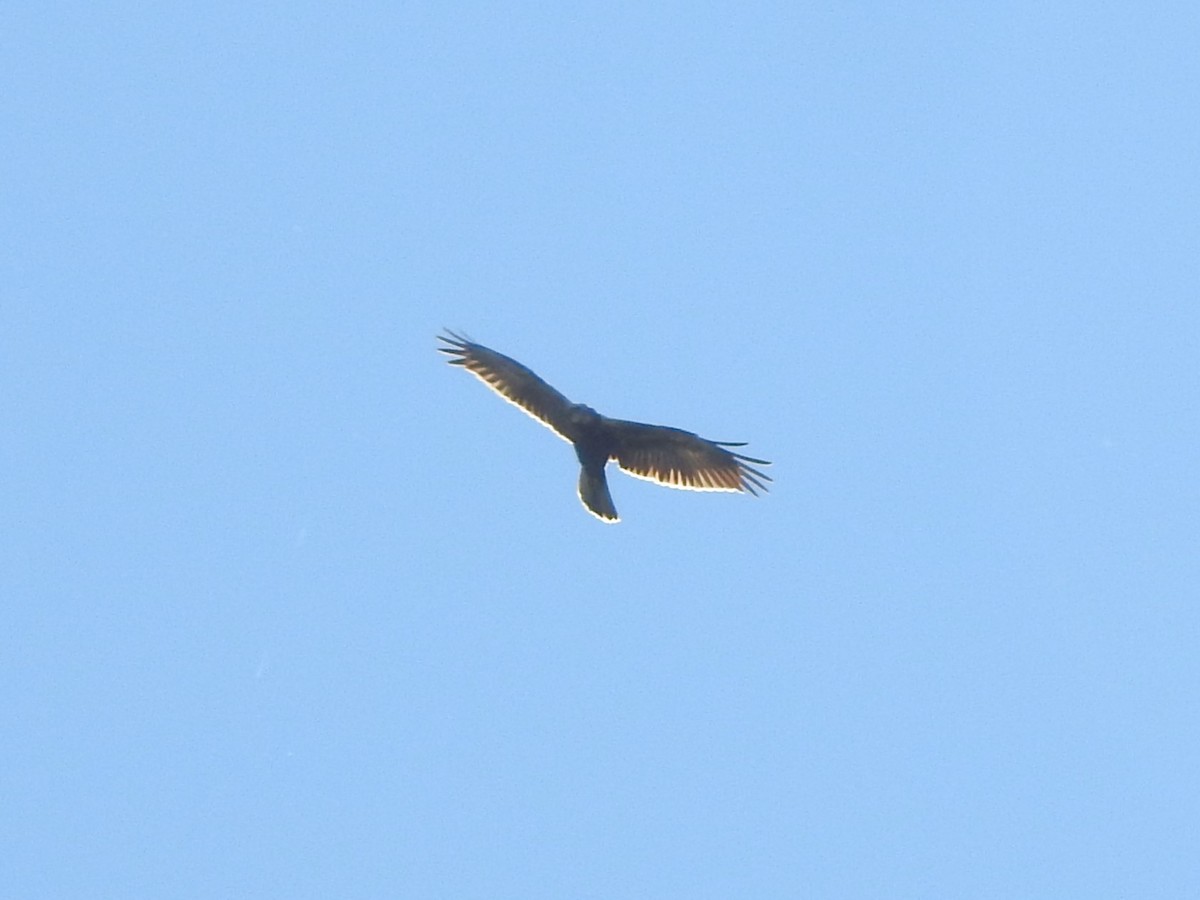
(593, 491)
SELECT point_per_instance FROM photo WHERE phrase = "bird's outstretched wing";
(511, 380)
(681, 459)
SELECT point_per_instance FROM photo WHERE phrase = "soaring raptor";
(668, 456)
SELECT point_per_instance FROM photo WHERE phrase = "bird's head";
(582, 415)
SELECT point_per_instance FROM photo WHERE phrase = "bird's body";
(668, 456)
(594, 445)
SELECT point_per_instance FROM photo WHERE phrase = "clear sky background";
(293, 609)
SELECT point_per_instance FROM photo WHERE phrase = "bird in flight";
(669, 456)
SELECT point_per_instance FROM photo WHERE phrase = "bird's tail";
(593, 491)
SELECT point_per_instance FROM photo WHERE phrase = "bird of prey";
(669, 456)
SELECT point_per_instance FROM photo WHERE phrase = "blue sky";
(293, 609)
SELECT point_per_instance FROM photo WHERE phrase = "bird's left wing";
(512, 381)
(681, 459)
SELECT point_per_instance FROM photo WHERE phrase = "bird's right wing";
(681, 459)
(512, 381)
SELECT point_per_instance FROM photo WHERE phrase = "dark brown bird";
(669, 456)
